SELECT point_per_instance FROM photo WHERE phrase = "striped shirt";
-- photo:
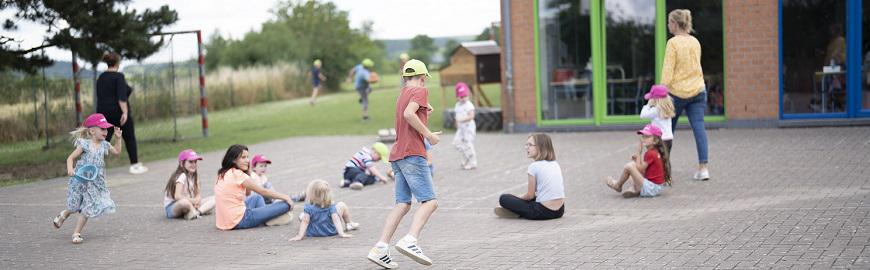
(362, 159)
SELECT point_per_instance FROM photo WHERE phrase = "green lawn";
(334, 114)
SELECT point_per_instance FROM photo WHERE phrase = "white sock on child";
(381, 245)
(409, 238)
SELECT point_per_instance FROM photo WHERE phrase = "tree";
(490, 33)
(88, 28)
(449, 46)
(422, 48)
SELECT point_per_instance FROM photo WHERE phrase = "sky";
(393, 19)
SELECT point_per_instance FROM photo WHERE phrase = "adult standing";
(684, 77)
(113, 95)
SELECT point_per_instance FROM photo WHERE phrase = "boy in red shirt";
(648, 174)
(413, 175)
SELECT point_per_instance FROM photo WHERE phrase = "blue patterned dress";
(90, 198)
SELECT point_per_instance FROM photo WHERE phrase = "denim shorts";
(650, 189)
(168, 209)
(413, 176)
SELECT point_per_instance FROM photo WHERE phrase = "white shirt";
(461, 110)
(650, 112)
(548, 180)
(186, 189)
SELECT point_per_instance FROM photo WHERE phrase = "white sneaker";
(138, 168)
(352, 226)
(356, 186)
(413, 251)
(702, 175)
(382, 258)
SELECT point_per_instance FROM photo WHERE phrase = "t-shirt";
(111, 88)
(548, 180)
(186, 189)
(650, 112)
(315, 76)
(320, 221)
(655, 169)
(361, 78)
(229, 196)
(461, 110)
(681, 70)
(409, 142)
(362, 160)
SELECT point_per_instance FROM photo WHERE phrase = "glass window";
(566, 59)
(865, 50)
(630, 37)
(813, 56)
(707, 22)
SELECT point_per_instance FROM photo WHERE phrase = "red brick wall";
(751, 59)
(523, 38)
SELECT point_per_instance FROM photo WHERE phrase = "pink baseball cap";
(188, 154)
(657, 91)
(461, 89)
(259, 158)
(650, 129)
(97, 120)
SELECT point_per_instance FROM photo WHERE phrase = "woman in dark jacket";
(112, 101)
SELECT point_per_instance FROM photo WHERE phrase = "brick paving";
(779, 198)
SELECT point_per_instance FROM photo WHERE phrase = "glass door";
(630, 55)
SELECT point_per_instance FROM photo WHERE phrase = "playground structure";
(474, 63)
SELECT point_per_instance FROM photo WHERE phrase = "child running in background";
(361, 171)
(183, 197)
(317, 77)
(321, 217)
(466, 129)
(660, 110)
(649, 173)
(87, 192)
(545, 196)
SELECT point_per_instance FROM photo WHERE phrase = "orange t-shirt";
(409, 142)
(229, 194)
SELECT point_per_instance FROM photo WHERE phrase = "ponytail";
(79, 133)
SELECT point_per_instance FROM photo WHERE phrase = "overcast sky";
(393, 19)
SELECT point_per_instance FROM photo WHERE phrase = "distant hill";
(395, 47)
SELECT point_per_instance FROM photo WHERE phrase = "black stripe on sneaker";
(385, 257)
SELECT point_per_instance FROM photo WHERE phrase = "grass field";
(334, 114)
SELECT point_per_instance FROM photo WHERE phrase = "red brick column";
(523, 38)
(752, 59)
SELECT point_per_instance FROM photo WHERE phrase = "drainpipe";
(508, 58)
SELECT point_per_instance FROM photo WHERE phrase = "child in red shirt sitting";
(655, 166)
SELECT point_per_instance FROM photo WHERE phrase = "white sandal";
(77, 238)
(59, 219)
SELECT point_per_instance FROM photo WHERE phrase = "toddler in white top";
(660, 110)
(466, 129)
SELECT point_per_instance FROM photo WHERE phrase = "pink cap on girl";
(650, 129)
(97, 120)
(461, 89)
(259, 159)
(657, 91)
(188, 154)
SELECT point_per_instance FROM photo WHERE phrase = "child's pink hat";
(97, 120)
(461, 89)
(650, 129)
(657, 91)
(188, 154)
(259, 158)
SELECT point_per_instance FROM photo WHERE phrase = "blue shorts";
(413, 177)
(168, 209)
(650, 189)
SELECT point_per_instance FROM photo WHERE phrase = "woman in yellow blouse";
(682, 74)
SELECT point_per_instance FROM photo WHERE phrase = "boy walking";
(413, 176)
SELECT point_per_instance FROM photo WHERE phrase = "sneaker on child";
(352, 226)
(381, 257)
(408, 246)
(356, 186)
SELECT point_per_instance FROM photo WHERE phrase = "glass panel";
(813, 60)
(707, 22)
(865, 49)
(630, 31)
(566, 59)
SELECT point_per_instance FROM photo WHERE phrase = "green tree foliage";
(88, 27)
(422, 48)
(300, 33)
(490, 33)
(448, 48)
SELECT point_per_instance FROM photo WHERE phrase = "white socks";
(382, 245)
(409, 238)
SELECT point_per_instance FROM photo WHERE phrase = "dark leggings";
(354, 174)
(129, 133)
(529, 209)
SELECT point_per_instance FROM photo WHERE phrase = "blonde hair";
(664, 105)
(683, 19)
(319, 193)
(545, 147)
(79, 133)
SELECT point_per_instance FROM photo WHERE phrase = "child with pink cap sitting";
(648, 174)
(466, 128)
(182, 192)
(660, 110)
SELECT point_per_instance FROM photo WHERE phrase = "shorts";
(168, 209)
(413, 177)
(650, 189)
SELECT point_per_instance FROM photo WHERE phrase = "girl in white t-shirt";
(182, 192)
(660, 110)
(544, 198)
(466, 129)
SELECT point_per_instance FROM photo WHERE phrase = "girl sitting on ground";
(321, 217)
(544, 198)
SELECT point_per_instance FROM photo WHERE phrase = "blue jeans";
(413, 176)
(695, 107)
(257, 212)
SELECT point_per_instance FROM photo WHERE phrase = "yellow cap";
(368, 63)
(382, 150)
(415, 67)
(317, 62)
(404, 56)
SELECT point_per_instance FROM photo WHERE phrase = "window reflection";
(566, 59)
(630, 37)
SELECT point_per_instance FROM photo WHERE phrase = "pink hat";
(650, 129)
(657, 91)
(258, 159)
(461, 89)
(188, 154)
(97, 120)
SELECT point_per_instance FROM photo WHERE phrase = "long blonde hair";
(664, 105)
(79, 133)
(319, 193)
(683, 19)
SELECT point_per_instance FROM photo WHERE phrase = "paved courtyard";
(778, 198)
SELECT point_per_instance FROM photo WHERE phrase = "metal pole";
(508, 59)
(35, 106)
(172, 87)
(45, 105)
(203, 101)
(77, 94)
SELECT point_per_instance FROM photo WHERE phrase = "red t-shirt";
(655, 169)
(409, 142)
